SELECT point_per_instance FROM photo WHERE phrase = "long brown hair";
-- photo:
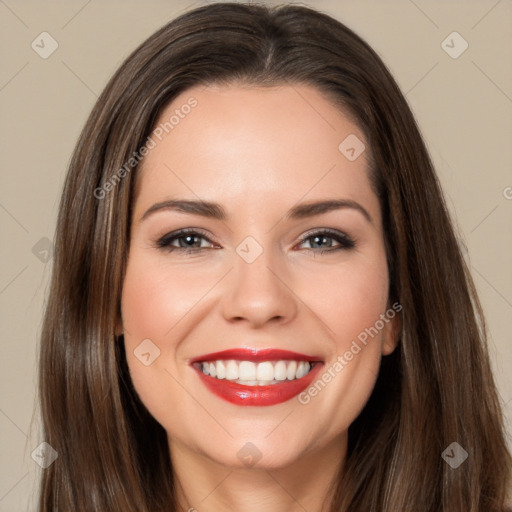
(435, 389)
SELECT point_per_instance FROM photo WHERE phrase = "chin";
(257, 453)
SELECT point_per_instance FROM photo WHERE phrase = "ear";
(392, 329)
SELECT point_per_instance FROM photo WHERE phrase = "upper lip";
(255, 355)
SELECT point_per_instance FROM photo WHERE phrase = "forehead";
(246, 145)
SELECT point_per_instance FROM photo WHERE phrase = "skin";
(258, 152)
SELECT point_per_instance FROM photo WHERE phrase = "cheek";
(350, 301)
(348, 298)
(157, 296)
(150, 306)
(158, 303)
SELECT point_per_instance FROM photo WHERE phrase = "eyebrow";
(216, 211)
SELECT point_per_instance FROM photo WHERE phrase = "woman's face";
(263, 274)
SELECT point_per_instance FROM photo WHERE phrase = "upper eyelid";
(184, 232)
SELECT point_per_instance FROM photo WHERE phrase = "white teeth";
(246, 370)
(221, 370)
(256, 374)
(231, 370)
(292, 370)
(280, 370)
(265, 371)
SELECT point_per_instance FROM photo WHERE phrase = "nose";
(258, 292)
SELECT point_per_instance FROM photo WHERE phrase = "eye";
(189, 241)
(324, 238)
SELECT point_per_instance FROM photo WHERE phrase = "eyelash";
(344, 240)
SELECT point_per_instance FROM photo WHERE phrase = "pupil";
(319, 238)
(190, 238)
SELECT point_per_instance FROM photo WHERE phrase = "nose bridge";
(256, 292)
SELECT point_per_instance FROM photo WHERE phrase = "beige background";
(463, 106)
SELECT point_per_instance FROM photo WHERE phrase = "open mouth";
(256, 374)
(264, 377)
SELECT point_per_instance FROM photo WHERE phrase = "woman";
(201, 350)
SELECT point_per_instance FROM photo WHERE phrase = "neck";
(204, 485)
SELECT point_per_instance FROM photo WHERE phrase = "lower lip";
(272, 394)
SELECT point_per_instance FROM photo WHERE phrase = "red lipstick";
(240, 394)
(252, 354)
